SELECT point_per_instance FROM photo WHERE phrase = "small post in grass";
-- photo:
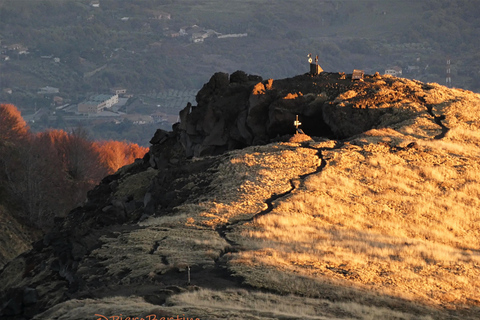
(297, 123)
(188, 271)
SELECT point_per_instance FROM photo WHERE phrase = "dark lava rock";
(232, 112)
(241, 110)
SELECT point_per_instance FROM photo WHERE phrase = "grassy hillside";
(384, 224)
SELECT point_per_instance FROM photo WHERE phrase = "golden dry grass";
(176, 249)
(225, 304)
(389, 229)
(383, 217)
(248, 305)
(385, 221)
(299, 138)
(248, 178)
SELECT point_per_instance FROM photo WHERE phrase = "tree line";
(45, 175)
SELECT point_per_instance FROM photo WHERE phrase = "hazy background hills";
(130, 44)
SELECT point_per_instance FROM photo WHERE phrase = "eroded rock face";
(64, 264)
(242, 110)
(232, 112)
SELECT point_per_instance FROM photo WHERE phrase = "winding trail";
(438, 120)
(220, 262)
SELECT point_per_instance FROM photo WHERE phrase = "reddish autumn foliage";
(12, 125)
(49, 173)
(116, 154)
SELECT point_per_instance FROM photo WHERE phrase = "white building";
(118, 90)
(139, 118)
(97, 103)
(394, 71)
(48, 90)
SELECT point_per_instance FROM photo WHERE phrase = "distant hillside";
(371, 213)
(131, 41)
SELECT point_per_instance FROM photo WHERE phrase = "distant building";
(90, 107)
(95, 4)
(171, 34)
(158, 116)
(8, 90)
(48, 90)
(118, 90)
(163, 116)
(315, 69)
(138, 118)
(231, 35)
(197, 34)
(357, 74)
(58, 100)
(198, 37)
(394, 71)
(183, 31)
(16, 47)
(97, 103)
(161, 16)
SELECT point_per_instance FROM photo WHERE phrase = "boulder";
(238, 77)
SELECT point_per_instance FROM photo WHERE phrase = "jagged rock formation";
(206, 190)
(241, 110)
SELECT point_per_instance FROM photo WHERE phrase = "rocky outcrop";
(15, 237)
(231, 112)
(242, 110)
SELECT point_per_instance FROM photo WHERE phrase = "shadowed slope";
(383, 223)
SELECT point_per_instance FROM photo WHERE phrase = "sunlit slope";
(393, 211)
(381, 225)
